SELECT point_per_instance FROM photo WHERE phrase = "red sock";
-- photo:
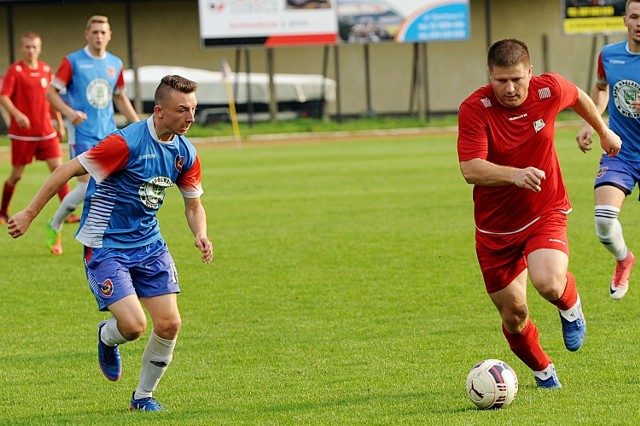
(64, 191)
(526, 346)
(7, 194)
(570, 295)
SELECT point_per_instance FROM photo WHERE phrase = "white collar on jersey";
(88, 52)
(152, 130)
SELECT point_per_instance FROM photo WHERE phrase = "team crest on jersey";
(44, 83)
(538, 125)
(624, 92)
(111, 72)
(99, 93)
(106, 287)
(601, 172)
(152, 193)
(179, 162)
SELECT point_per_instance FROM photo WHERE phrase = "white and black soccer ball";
(492, 384)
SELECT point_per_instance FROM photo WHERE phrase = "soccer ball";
(492, 384)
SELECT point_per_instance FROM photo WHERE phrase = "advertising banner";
(593, 16)
(267, 22)
(327, 22)
(403, 20)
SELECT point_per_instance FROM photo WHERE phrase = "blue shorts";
(618, 173)
(114, 274)
(77, 147)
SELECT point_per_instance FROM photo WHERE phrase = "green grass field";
(344, 290)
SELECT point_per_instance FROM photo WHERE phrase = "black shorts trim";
(615, 185)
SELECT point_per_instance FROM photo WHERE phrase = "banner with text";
(326, 22)
(593, 17)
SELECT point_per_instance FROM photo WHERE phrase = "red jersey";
(27, 90)
(518, 137)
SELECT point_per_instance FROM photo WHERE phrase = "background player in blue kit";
(127, 262)
(92, 81)
(617, 89)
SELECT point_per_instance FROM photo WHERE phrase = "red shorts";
(503, 257)
(23, 152)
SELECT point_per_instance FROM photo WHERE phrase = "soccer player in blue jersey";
(127, 263)
(617, 89)
(92, 81)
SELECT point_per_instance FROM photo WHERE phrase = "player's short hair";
(30, 35)
(97, 19)
(173, 82)
(508, 52)
(626, 6)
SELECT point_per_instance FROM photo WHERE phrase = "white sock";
(609, 230)
(71, 202)
(155, 360)
(110, 335)
(546, 373)
(574, 312)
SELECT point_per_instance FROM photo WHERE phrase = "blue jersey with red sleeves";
(620, 69)
(131, 171)
(90, 83)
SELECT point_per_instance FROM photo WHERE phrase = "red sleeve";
(568, 91)
(106, 158)
(473, 140)
(601, 75)
(9, 82)
(120, 82)
(64, 73)
(190, 182)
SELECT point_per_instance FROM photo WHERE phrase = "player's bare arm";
(484, 173)
(600, 97)
(60, 129)
(21, 119)
(75, 117)
(20, 222)
(122, 102)
(197, 221)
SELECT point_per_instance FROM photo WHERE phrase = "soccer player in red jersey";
(31, 131)
(506, 150)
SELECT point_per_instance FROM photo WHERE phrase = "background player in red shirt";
(506, 150)
(31, 131)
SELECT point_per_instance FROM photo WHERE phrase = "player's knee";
(132, 328)
(168, 328)
(551, 287)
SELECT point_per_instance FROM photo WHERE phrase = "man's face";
(178, 112)
(31, 49)
(632, 22)
(511, 84)
(98, 36)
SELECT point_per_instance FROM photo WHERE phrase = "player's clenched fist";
(530, 178)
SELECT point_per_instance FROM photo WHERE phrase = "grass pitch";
(344, 290)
